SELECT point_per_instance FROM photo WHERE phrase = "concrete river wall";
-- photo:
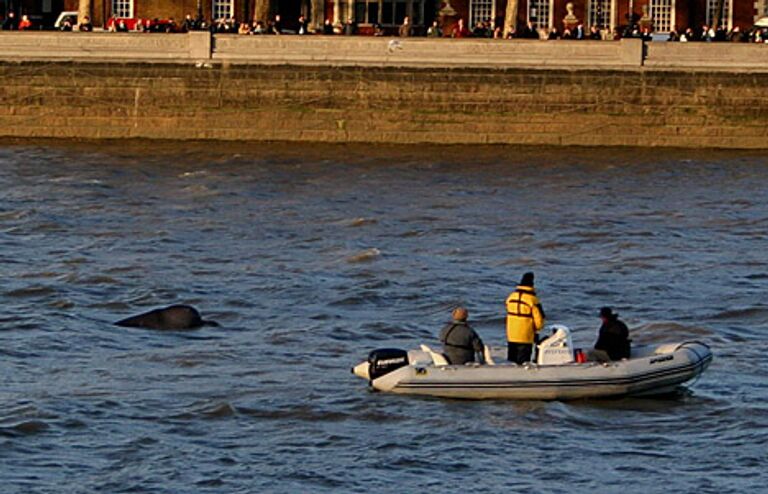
(336, 89)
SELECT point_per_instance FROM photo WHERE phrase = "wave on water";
(195, 174)
(31, 291)
(366, 255)
(90, 280)
(669, 331)
(24, 428)
(358, 222)
(363, 297)
(222, 410)
(310, 266)
(302, 413)
(748, 314)
(62, 304)
(199, 190)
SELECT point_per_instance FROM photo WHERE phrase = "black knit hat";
(607, 313)
(527, 279)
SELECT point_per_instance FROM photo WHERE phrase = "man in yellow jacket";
(525, 318)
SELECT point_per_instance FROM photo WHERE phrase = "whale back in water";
(173, 317)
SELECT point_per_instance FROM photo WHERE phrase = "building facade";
(661, 15)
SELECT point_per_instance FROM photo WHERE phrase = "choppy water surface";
(311, 257)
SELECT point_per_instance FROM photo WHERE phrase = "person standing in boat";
(525, 318)
(613, 341)
(460, 342)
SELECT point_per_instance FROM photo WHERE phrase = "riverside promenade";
(383, 90)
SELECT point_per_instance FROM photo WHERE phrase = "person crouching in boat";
(460, 342)
(613, 341)
(525, 318)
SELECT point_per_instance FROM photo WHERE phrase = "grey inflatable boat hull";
(652, 370)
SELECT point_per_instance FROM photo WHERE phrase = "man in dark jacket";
(11, 23)
(303, 26)
(350, 28)
(613, 341)
(85, 26)
(460, 342)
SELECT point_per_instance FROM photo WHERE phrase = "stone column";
(717, 19)
(510, 17)
(318, 15)
(261, 10)
(337, 13)
(84, 9)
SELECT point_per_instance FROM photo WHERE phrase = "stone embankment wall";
(205, 95)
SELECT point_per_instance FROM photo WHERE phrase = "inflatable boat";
(557, 373)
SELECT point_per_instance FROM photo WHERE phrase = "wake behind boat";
(556, 375)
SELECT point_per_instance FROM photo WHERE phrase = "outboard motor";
(558, 348)
(385, 360)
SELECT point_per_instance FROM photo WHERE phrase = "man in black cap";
(613, 341)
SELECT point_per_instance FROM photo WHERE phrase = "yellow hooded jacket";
(525, 317)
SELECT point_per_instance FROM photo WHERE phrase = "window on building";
(223, 9)
(394, 11)
(725, 16)
(662, 13)
(367, 12)
(481, 10)
(599, 13)
(122, 8)
(538, 13)
(418, 13)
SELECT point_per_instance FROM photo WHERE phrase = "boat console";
(557, 348)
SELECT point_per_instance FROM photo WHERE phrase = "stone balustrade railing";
(371, 51)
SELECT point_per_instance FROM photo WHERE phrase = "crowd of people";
(12, 23)
(525, 319)
(485, 29)
(708, 34)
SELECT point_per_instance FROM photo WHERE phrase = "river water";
(309, 257)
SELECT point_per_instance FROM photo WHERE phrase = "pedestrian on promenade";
(277, 25)
(405, 29)
(303, 25)
(434, 30)
(66, 24)
(350, 28)
(259, 28)
(328, 27)
(189, 23)
(460, 30)
(85, 26)
(25, 23)
(10, 23)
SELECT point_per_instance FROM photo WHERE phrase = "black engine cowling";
(385, 360)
